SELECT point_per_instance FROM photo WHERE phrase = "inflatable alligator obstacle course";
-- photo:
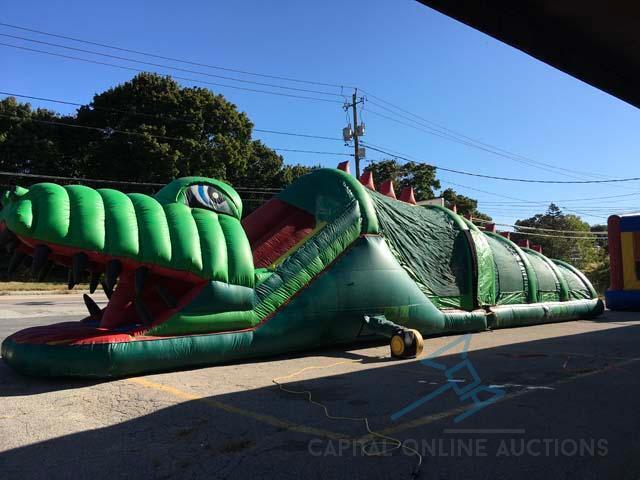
(327, 261)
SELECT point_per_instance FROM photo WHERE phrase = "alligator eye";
(206, 196)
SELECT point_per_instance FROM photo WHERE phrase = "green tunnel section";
(514, 279)
(433, 247)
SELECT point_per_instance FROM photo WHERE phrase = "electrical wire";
(397, 154)
(445, 129)
(541, 229)
(109, 130)
(173, 59)
(241, 189)
(449, 137)
(169, 67)
(196, 81)
(509, 179)
(558, 236)
(370, 448)
(311, 151)
(159, 117)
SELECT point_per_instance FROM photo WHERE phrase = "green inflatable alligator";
(190, 284)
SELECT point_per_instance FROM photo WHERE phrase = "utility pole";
(357, 129)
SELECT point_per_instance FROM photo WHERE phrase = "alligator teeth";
(113, 269)
(70, 281)
(143, 312)
(94, 309)
(166, 296)
(6, 237)
(11, 246)
(80, 263)
(94, 281)
(141, 276)
(45, 271)
(107, 291)
(17, 258)
(40, 256)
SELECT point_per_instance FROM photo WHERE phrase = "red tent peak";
(407, 195)
(366, 179)
(344, 166)
(387, 189)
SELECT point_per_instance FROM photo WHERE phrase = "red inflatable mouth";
(140, 295)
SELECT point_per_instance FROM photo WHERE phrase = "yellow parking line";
(261, 417)
(394, 429)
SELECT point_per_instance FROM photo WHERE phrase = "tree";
(466, 206)
(178, 131)
(30, 140)
(417, 175)
(580, 252)
(148, 129)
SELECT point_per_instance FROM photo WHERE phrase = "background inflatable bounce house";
(624, 255)
(327, 261)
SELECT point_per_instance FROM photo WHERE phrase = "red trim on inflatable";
(63, 254)
(615, 253)
(407, 195)
(274, 229)
(366, 179)
(387, 189)
(344, 166)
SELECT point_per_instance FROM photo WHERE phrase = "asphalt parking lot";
(566, 406)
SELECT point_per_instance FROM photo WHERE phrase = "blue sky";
(400, 51)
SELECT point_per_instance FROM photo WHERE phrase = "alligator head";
(155, 256)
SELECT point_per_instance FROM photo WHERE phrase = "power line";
(173, 59)
(523, 227)
(452, 133)
(170, 67)
(455, 139)
(557, 236)
(159, 117)
(109, 131)
(396, 153)
(255, 190)
(509, 179)
(312, 151)
(196, 81)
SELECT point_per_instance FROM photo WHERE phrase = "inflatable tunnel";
(191, 284)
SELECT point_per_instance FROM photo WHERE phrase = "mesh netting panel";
(511, 276)
(548, 286)
(577, 288)
(431, 248)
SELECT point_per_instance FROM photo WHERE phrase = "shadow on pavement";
(577, 391)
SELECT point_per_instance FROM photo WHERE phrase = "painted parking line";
(260, 417)
(393, 429)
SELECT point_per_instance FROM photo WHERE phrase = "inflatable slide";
(327, 261)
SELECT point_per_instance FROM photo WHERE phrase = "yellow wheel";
(406, 344)
(397, 346)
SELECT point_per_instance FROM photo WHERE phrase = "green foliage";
(177, 131)
(417, 175)
(27, 146)
(464, 205)
(580, 253)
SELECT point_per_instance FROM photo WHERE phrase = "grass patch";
(51, 287)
